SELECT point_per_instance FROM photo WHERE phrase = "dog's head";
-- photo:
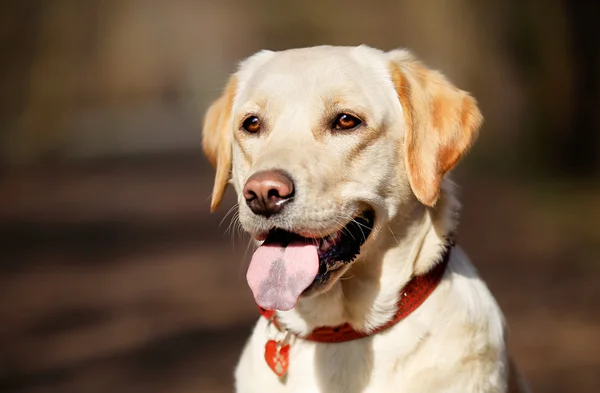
(324, 146)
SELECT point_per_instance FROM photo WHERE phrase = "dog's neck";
(366, 295)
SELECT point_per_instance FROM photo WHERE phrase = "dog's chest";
(372, 364)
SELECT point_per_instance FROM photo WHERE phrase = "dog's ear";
(441, 123)
(216, 140)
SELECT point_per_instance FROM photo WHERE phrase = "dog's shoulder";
(461, 336)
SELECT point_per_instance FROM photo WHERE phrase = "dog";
(340, 158)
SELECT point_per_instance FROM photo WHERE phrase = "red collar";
(412, 296)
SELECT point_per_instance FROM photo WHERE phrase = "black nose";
(267, 192)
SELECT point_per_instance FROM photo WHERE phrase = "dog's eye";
(346, 122)
(251, 124)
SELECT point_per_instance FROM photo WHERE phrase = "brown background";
(114, 277)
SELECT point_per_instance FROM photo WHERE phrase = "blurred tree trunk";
(19, 30)
(556, 47)
(578, 148)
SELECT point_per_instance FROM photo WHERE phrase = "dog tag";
(277, 357)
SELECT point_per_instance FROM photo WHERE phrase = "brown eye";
(251, 124)
(346, 122)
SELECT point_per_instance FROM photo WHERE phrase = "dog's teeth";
(327, 241)
(334, 265)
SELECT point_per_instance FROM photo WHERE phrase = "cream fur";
(454, 342)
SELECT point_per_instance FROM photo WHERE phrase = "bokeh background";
(114, 277)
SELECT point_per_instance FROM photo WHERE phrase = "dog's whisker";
(248, 248)
(235, 222)
(232, 223)
(239, 227)
(344, 229)
(393, 235)
(231, 210)
(360, 228)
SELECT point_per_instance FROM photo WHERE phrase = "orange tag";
(277, 357)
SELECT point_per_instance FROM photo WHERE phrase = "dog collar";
(412, 295)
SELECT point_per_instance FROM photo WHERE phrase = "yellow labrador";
(338, 156)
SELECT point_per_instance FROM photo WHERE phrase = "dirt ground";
(114, 277)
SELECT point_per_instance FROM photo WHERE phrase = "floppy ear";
(442, 122)
(216, 140)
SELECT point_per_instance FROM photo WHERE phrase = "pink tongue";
(277, 275)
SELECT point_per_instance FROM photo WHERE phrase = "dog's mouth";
(288, 264)
(334, 250)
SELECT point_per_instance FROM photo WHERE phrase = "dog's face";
(324, 146)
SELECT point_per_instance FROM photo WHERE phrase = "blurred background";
(114, 277)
